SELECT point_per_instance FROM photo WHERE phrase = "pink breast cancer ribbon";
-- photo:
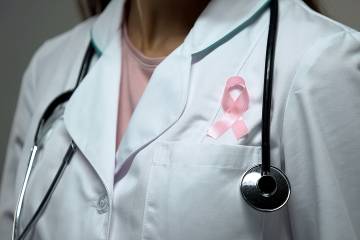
(233, 110)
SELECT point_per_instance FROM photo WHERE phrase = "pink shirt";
(136, 70)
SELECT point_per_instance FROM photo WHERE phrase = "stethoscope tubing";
(44, 203)
(268, 82)
(20, 202)
(85, 66)
(265, 187)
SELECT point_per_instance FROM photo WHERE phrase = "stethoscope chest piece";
(265, 192)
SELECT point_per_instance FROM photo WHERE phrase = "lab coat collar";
(220, 21)
(217, 23)
(107, 25)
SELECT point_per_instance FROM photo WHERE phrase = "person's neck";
(157, 27)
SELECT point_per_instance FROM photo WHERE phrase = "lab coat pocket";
(193, 193)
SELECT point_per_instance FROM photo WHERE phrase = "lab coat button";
(102, 205)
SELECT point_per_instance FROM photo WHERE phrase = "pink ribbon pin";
(233, 110)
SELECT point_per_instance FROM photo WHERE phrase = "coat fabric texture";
(180, 183)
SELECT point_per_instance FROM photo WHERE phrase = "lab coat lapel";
(91, 113)
(161, 104)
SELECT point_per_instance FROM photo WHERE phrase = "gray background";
(24, 25)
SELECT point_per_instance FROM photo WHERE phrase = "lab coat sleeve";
(321, 141)
(21, 121)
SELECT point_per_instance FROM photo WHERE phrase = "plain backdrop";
(24, 25)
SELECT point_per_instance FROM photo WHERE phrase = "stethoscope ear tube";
(265, 187)
(38, 138)
(42, 206)
(20, 202)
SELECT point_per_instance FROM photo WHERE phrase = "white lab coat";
(180, 183)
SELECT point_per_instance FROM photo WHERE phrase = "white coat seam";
(352, 35)
(144, 225)
(305, 66)
(325, 145)
(110, 200)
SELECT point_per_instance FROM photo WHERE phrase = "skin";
(157, 27)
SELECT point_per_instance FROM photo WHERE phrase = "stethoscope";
(264, 187)
(52, 113)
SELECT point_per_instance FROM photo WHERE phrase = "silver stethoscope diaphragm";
(265, 192)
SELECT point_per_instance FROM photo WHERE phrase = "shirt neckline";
(143, 60)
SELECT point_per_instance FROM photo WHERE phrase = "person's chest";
(173, 167)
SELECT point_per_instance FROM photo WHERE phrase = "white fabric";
(182, 184)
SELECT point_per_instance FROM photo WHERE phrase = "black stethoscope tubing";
(64, 97)
(265, 187)
(268, 82)
(265, 169)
